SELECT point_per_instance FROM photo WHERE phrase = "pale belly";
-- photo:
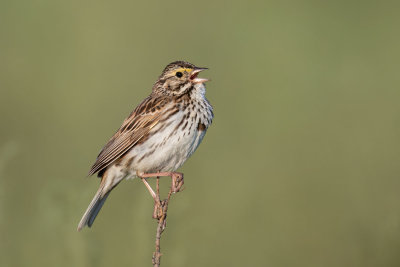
(168, 149)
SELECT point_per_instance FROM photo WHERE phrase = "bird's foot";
(176, 186)
(177, 182)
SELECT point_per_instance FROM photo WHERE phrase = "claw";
(176, 186)
(177, 182)
(158, 211)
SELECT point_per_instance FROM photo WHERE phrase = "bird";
(158, 136)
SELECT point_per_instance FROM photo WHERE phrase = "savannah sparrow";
(157, 137)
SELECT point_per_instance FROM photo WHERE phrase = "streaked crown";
(178, 78)
(178, 65)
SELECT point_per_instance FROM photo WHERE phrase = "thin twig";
(160, 213)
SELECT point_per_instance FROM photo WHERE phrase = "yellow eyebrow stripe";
(183, 70)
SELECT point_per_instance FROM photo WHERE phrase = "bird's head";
(178, 78)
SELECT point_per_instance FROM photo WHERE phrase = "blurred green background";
(300, 167)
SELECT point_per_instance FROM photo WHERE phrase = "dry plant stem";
(162, 223)
(161, 207)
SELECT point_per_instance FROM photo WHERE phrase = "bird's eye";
(179, 74)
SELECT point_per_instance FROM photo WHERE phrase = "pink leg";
(177, 179)
(149, 188)
(165, 174)
(177, 183)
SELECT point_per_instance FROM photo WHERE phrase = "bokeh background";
(300, 167)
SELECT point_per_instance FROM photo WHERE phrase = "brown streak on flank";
(146, 155)
(179, 124)
(184, 126)
(164, 126)
(191, 125)
(152, 145)
(168, 116)
(129, 162)
(201, 127)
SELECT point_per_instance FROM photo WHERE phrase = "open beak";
(195, 79)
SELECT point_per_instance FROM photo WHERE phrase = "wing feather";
(136, 127)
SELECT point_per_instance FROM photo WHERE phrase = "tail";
(98, 201)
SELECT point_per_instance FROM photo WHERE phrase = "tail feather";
(94, 207)
(109, 181)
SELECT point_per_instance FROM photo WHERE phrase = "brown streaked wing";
(133, 129)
